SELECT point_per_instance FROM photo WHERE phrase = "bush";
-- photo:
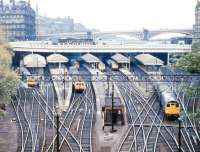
(9, 81)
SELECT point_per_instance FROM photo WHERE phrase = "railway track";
(82, 108)
(27, 114)
(49, 139)
(35, 113)
(81, 140)
(189, 105)
(158, 133)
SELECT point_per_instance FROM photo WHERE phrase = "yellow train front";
(32, 82)
(171, 107)
(102, 67)
(114, 66)
(169, 102)
(79, 86)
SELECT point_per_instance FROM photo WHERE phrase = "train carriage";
(32, 82)
(102, 67)
(169, 102)
(113, 65)
(118, 111)
(79, 86)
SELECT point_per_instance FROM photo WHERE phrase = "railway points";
(81, 118)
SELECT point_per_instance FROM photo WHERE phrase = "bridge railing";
(125, 46)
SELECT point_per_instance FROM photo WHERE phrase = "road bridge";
(125, 48)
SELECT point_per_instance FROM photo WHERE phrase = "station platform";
(105, 140)
(58, 82)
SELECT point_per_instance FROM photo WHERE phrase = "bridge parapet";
(42, 47)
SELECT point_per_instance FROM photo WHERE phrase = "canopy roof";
(57, 58)
(89, 58)
(147, 59)
(119, 58)
(34, 61)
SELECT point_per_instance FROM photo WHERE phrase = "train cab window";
(168, 105)
(177, 105)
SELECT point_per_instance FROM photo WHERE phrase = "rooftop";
(89, 58)
(147, 59)
(108, 102)
(57, 58)
(119, 58)
(34, 60)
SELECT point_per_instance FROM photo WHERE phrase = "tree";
(9, 81)
(191, 63)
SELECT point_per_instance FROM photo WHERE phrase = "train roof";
(147, 59)
(110, 61)
(168, 97)
(119, 58)
(108, 102)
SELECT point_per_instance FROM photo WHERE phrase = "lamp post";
(64, 84)
(112, 107)
(108, 79)
(57, 128)
(180, 119)
(129, 63)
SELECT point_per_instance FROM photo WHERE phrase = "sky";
(115, 15)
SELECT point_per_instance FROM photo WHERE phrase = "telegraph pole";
(179, 135)
(112, 123)
(64, 83)
(57, 132)
(108, 79)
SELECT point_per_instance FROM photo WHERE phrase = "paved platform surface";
(58, 74)
(104, 141)
(8, 133)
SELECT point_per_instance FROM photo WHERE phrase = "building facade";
(17, 19)
(197, 21)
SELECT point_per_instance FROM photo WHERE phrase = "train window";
(177, 105)
(168, 105)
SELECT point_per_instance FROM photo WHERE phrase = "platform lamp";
(108, 79)
(180, 120)
(64, 83)
(57, 114)
(37, 66)
(112, 123)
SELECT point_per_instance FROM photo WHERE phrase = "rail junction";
(53, 116)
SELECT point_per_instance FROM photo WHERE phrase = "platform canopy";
(57, 58)
(34, 61)
(119, 58)
(89, 58)
(147, 59)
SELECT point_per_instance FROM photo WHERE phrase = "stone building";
(18, 20)
(197, 21)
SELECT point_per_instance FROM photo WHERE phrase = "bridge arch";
(154, 36)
